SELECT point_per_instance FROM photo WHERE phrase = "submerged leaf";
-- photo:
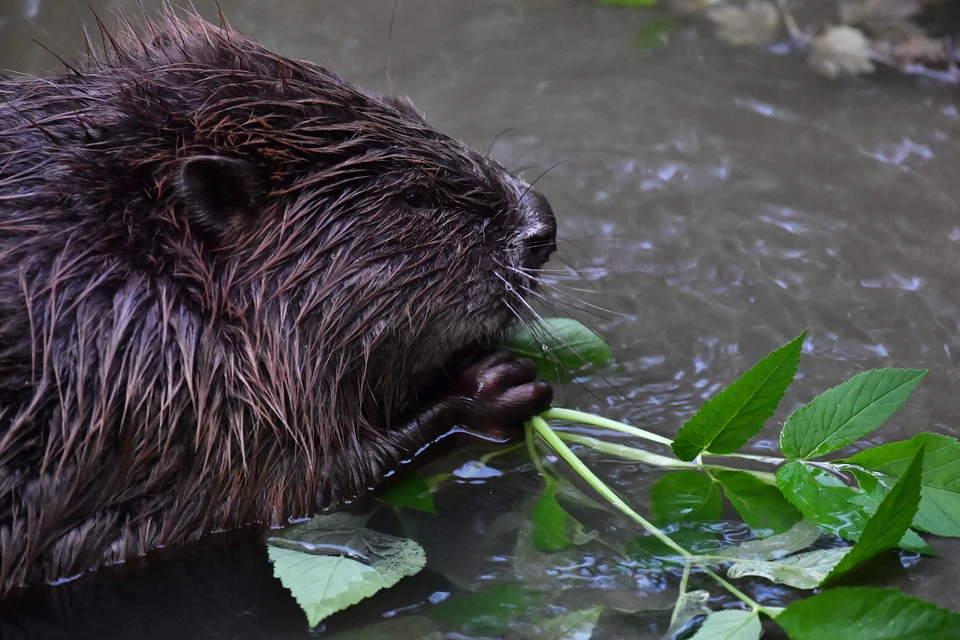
(891, 521)
(487, 612)
(726, 422)
(332, 561)
(939, 511)
(685, 496)
(802, 571)
(761, 505)
(690, 605)
(656, 32)
(731, 624)
(412, 492)
(573, 625)
(847, 412)
(757, 22)
(841, 50)
(549, 533)
(557, 343)
(867, 614)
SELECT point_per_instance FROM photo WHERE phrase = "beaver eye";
(416, 198)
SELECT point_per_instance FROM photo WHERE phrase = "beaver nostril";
(540, 239)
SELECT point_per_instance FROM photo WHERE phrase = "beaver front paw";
(498, 393)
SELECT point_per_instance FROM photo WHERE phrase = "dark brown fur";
(227, 282)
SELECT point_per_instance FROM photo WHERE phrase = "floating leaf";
(838, 509)
(799, 537)
(412, 492)
(332, 562)
(761, 505)
(802, 571)
(558, 342)
(891, 521)
(487, 612)
(549, 533)
(757, 22)
(573, 625)
(847, 412)
(726, 422)
(841, 50)
(685, 496)
(939, 511)
(867, 614)
(730, 625)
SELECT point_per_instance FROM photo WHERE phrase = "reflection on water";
(718, 201)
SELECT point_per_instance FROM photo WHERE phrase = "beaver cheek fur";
(214, 309)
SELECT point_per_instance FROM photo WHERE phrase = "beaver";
(236, 289)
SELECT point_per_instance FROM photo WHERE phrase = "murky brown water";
(722, 201)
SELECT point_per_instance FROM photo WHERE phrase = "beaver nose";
(540, 233)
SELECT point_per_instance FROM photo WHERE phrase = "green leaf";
(726, 422)
(761, 505)
(838, 509)
(573, 625)
(331, 562)
(730, 625)
(487, 612)
(557, 342)
(412, 492)
(847, 412)
(549, 533)
(799, 537)
(867, 614)
(801, 571)
(685, 496)
(939, 511)
(891, 521)
(655, 32)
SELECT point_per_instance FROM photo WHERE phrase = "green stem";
(596, 421)
(630, 453)
(683, 589)
(532, 449)
(746, 456)
(544, 431)
(753, 604)
(487, 457)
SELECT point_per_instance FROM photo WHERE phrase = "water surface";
(718, 201)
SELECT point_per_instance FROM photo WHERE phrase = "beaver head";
(233, 280)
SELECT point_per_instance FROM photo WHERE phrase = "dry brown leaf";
(841, 50)
(757, 22)
(865, 12)
(919, 50)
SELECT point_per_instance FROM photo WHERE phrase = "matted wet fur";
(235, 289)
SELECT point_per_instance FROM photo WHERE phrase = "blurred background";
(732, 173)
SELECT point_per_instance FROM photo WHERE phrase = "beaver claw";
(499, 392)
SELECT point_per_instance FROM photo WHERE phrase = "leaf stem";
(753, 604)
(571, 415)
(684, 579)
(544, 431)
(630, 453)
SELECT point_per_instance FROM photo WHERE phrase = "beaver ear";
(220, 193)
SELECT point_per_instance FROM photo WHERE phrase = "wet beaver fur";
(235, 289)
